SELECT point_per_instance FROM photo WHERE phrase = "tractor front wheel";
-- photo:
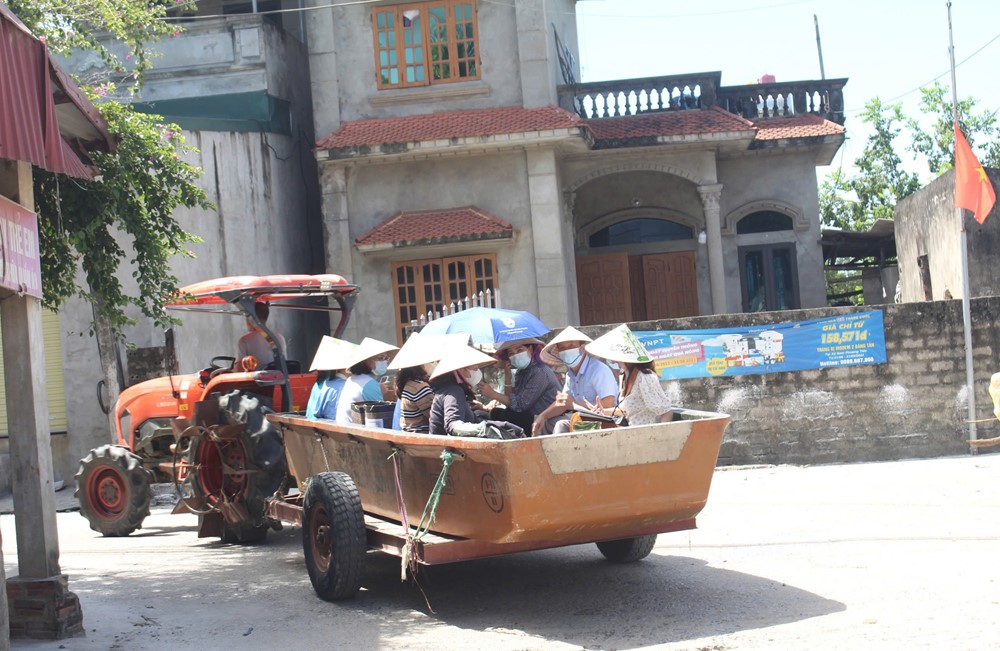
(113, 490)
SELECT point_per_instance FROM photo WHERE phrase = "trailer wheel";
(113, 490)
(627, 550)
(333, 535)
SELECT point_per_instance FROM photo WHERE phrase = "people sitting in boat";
(367, 364)
(452, 380)
(534, 385)
(589, 381)
(414, 362)
(642, 400)
(415, 398)
(331, 361)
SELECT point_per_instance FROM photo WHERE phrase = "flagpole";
(964, 257)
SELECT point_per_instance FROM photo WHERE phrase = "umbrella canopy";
(489, 326)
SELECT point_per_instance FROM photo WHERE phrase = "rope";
(448, 457)
(409, 556)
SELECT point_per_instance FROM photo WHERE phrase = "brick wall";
(913, 406)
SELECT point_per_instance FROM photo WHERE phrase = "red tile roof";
(444, 126)
(803, 126)
(668, 123)
(436, 227)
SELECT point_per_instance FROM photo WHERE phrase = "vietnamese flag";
(973, 190)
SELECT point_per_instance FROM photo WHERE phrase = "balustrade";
(627, 97)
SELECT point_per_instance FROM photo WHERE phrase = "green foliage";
(854, 202)
(937, 143)
(68, 25)
(123, 221)
(87, 223)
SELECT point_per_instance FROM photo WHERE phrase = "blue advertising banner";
(847, 340)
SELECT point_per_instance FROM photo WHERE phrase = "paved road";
(868, 556)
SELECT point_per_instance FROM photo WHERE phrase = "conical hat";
(458, 357)
(569, 333)
(619, 345)
(333, 354)
(369, 348)
(422, 349)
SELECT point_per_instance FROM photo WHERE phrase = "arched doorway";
(634, 270)
(768, 275)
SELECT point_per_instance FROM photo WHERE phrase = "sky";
(886, 48)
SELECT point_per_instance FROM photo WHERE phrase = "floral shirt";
(646, 402)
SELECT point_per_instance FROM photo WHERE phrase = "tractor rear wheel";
(627, 550)
(333, 535)
(113, 490)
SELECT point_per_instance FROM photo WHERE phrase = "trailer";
(465, 498)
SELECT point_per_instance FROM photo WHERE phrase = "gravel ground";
(877, 556)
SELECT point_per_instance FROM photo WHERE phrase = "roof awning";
(877, 245)
(434, 227)
(44, 117)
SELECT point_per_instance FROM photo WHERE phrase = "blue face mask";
(570, 357)
(380, 368)
(520, 360)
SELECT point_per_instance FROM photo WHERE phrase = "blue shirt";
(593, 381)
(357, 388)
(323, 398)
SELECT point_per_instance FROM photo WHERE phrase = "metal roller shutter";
(56, 393)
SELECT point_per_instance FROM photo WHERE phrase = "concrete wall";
(913, 406)
(342, 61)
(497, 184)
(786, 183)
(927, 225)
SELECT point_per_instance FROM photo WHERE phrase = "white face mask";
(380, 367)
(520, 360)
(570, 357)
(475, 377)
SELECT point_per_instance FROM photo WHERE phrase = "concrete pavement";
(897, 555)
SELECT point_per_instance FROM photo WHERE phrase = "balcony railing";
(695, 91)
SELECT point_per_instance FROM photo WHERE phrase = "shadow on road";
(575, 596)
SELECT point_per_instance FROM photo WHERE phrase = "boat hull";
(558, 490)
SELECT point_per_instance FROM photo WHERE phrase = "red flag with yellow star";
(973, 190)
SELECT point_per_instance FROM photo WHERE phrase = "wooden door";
(671, 285)
(604, 289)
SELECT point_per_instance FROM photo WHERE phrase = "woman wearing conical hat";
(331, 361)
(452, 380)
(371, 358)
(642, 399)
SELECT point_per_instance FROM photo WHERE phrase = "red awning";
(29, 125)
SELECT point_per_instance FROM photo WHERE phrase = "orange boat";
(616, 487)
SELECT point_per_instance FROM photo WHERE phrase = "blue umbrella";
(488, 325)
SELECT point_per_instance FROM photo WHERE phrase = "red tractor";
(206, 431)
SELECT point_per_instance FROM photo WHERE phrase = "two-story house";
(458, 153)
(430, 150)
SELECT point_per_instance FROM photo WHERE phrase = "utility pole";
(819, 48)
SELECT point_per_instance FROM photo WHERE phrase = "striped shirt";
(416, 398)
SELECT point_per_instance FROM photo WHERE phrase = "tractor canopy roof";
(234, 293)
